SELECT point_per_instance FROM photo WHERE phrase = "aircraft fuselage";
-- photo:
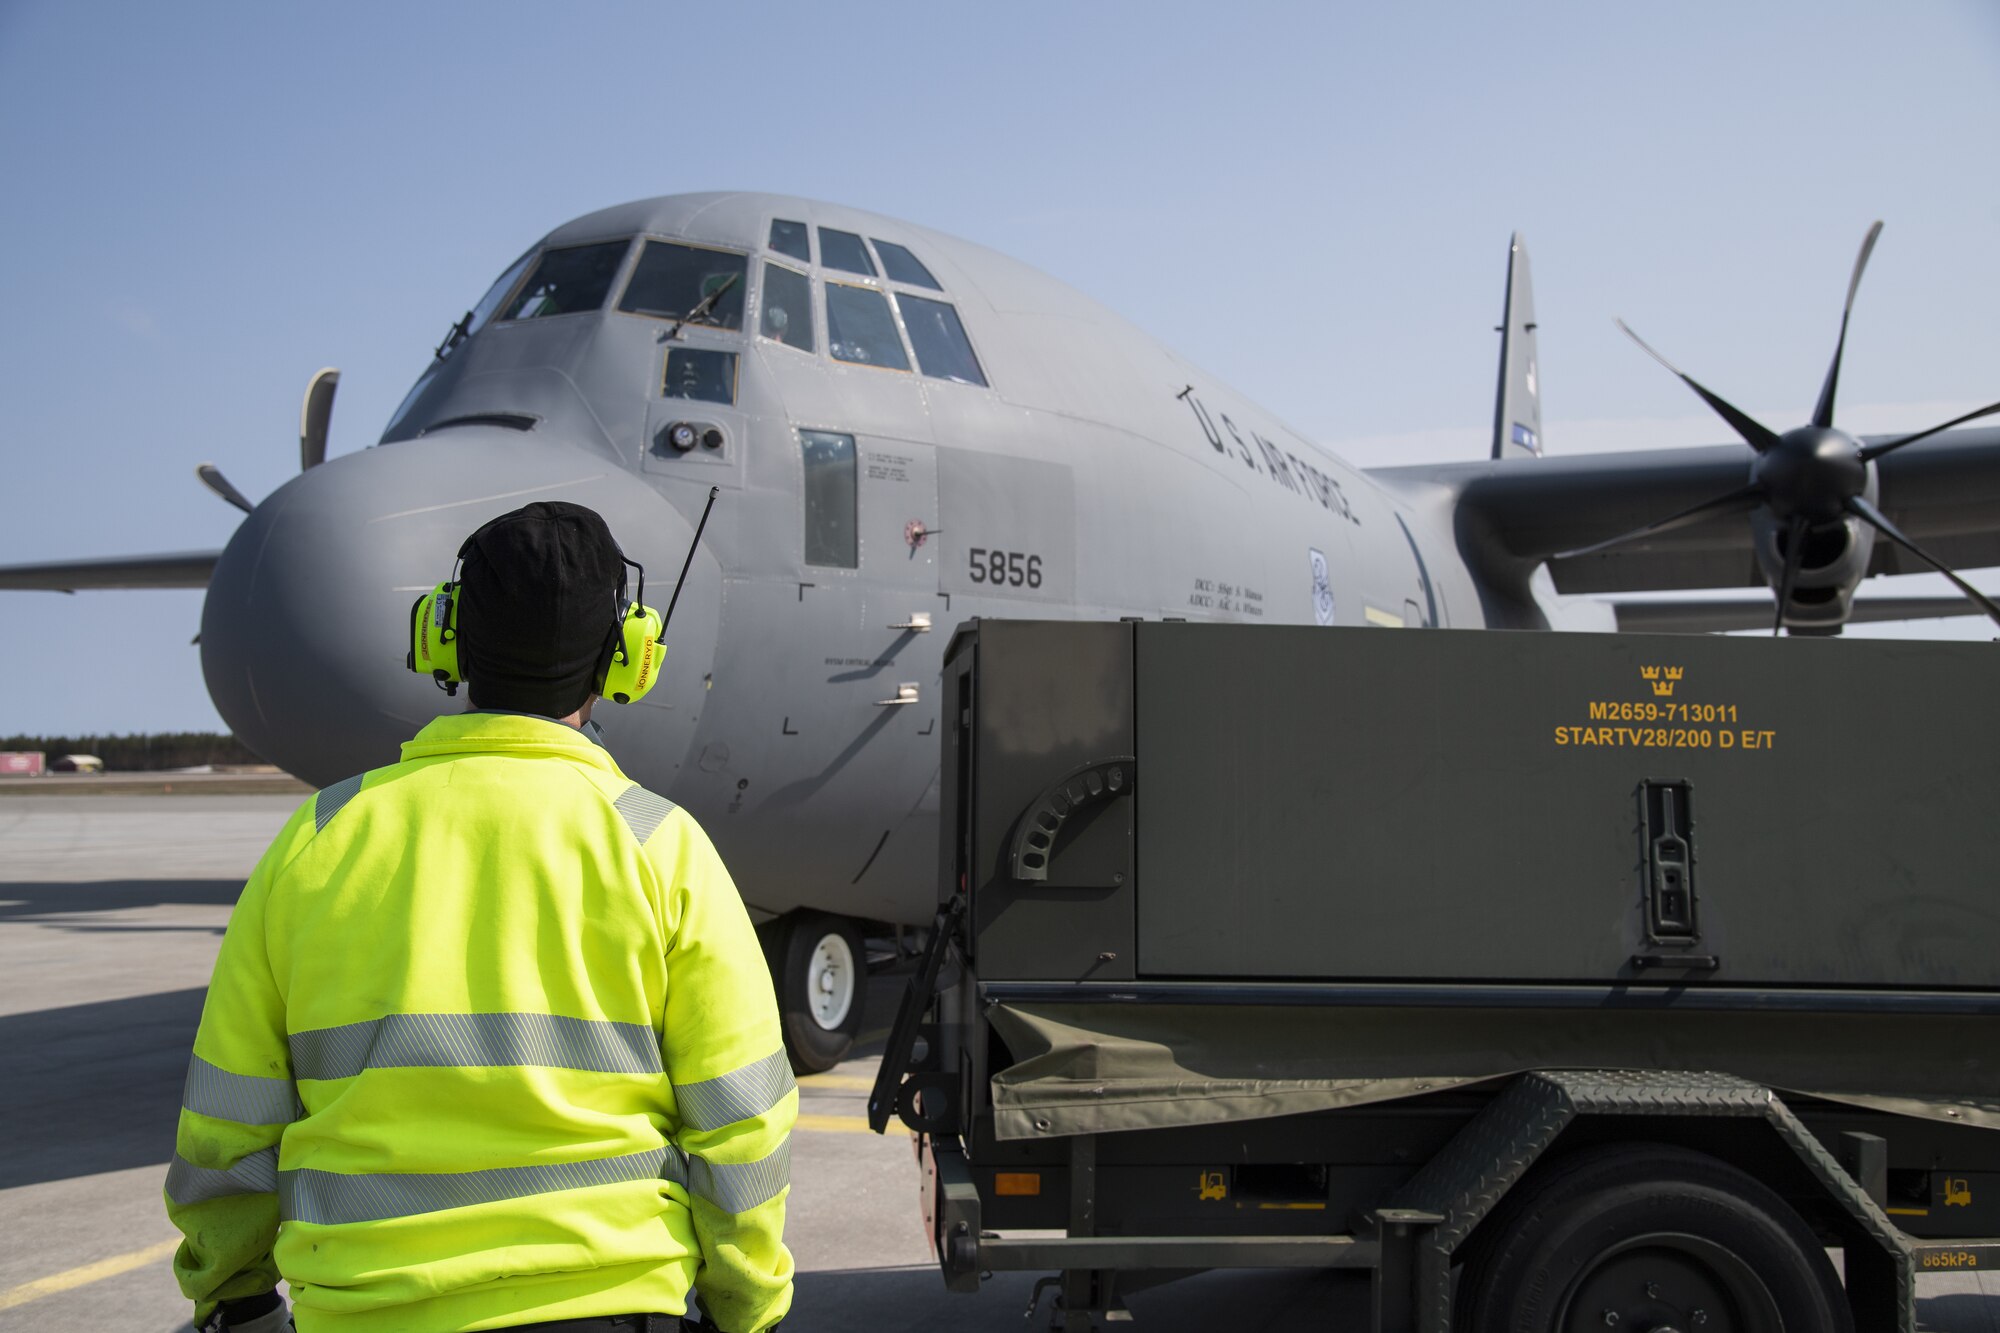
(873, 494)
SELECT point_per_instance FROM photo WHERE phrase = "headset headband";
(640, 598)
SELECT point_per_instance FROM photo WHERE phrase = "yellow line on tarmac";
(89, 1273)
(835, 1124)
(836, 1083)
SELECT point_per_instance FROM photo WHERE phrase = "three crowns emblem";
(1663, 678)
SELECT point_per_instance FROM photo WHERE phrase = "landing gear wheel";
(821, 973)
(1647, 1238)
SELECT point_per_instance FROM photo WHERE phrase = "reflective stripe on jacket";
(490, 1041)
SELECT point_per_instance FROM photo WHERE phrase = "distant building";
(22, 763)
(76, 763)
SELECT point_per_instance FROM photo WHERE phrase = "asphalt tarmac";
(111, 908)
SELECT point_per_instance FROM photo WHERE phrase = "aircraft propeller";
(1810, 479)
(211, 477)
(315, 416)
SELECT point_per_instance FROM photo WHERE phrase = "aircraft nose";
(307, 620)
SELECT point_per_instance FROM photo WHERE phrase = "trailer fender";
(1464, 1182)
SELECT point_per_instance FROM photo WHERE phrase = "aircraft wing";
(1713, 615)
(1513, 514)
(176, 569)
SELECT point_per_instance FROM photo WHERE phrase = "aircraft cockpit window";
(903, 266)
(687, 282)
(831, 537)
(843, 250)
(788, 308)
(697, 372)
(489, 304)
(569, 281)
(939, 339)
(860, 329)
(789, 238)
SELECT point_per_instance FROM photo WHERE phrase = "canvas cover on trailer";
(1103, 1068)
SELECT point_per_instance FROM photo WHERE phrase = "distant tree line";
(139, 754)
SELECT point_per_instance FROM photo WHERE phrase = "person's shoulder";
(331, 799)
(324, 809)
(660, 825)
(668, 833)
(306, 822)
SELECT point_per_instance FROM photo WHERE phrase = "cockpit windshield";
(860, 329)
(673, 280)
(935, 331)
(787, 307)
(843, 250)
(489, 304)
(900, 264)
(789, 238)
(569, 281)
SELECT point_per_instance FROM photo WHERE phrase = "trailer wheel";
(1647, 1238)
(821, 973)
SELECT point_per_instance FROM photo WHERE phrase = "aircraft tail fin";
(1517, 408)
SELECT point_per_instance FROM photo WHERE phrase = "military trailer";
(1552, 981)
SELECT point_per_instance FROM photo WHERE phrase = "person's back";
(507, 1024)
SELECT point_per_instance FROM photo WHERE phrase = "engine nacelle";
(1834, 560)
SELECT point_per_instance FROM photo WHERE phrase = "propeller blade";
(1742, 495)
(1823, 414)
(1880, 521)
(211, 477)
(1875, 451)
(1757, 437)
(315, 415)
(1795, 547)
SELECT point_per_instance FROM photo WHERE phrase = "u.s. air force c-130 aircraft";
(908, 430)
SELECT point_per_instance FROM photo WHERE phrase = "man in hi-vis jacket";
(490, 1042)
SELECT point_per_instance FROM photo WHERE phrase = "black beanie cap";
(539, 592)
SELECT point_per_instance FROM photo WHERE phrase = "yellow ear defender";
(434, 637)
(635, 660)
(633, 657)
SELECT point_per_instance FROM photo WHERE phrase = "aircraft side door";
(897, 515)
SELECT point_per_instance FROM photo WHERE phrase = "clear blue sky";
(205, 203)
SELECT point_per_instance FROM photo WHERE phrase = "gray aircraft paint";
(1139, 485)
(772, 721)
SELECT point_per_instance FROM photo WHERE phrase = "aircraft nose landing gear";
(820, 971)
(830, 980)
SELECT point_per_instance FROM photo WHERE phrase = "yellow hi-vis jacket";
(490, 1041)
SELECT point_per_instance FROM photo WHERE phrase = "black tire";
(807, 951)
(1652, 1233)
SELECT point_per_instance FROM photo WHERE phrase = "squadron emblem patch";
(1322, 587)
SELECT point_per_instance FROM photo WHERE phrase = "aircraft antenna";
(668, 618)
